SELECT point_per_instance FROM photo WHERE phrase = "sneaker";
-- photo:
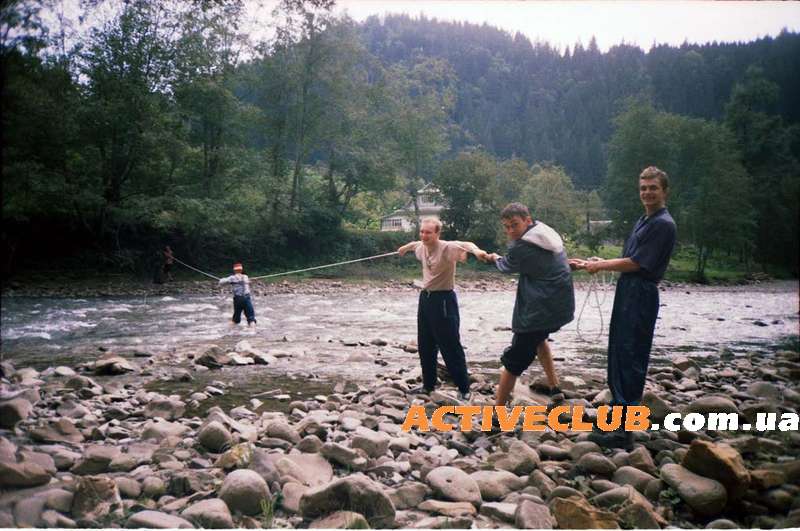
(613, 439)
(421, 390)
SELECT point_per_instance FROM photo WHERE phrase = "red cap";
(237, 267)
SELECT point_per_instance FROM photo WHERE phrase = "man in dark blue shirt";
(633, 320)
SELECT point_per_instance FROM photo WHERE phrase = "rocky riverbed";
(91, 446)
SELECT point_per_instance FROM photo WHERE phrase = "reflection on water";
(311, 330)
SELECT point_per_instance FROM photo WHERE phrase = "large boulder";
(720, 462)
(156, 520)
(453, 484)
(244, 491)
(14, 411)
(355, 493)
(707, 497)
(209, 514)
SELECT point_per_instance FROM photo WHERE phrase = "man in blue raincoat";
(644, 260)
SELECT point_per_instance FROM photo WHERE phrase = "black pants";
(243, 303)
(522, 351)
(437, 331)
(630, 338)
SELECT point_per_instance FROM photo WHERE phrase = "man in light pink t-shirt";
(438, 320)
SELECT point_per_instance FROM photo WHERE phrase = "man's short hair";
(515, 209)
(651, 172)
(436, 222)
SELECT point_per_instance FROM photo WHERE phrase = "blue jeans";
(243, 303)
(438, 322)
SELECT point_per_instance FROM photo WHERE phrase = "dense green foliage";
(166, 125)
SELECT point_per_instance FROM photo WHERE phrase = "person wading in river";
(545, 299)
(633, 320)
(240, 284)
(438, 319)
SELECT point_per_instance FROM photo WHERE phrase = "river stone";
(722, 523)
(292, 492)
(166, 408)
(72, 409)
(640, 458)
(640, 515)
(446, 508)
(765, 390)
(707, 497)
(720, 462)
(28, 511)
(96, 460)
(14, 411)
(20, 475)
(596, 464)
(95, 497)
(766, 478)
(113, 365)
(497, 484)
(541, 481)
(712, 404)
(215, 437)
(628, 475)
(620, 496)
(520, 459)
(344, 456)
(59, 500)
(500, 511)
(159, 429)
(209, 514)
(582, 448)
(282, 430)
(355, 492)
(213, 358)
(659, 408)
(307, 469)
(128, 488)
(156, 520)
(239, 456)
(683, 363)
(153, 487)
(453, 484)
(243, 491)
(374, 443)
(54, 520)
(532, 515)
(409, 495)
(340, 520)
(576, 513)
(310, 444)
(61, 430)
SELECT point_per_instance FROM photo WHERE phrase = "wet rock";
(95, 497)
(58, 431)
(532, 515)
(14, 411)
(496, 485)
(209, 514)
(307, 469)
(452, 484)
(159, 429)
(213, 358)
(243, 491)
(215, 437)
(705, 496)
(156, 520)
(374, 443)
(720, 462)
(520, 459)
(96, 460)
(447, 508)
(167, 408)
(113, 365)
(628, 475)
(576, 513)
(500, 511)
(596, 464)
(340, 520)
(19, 475)
(355, 492)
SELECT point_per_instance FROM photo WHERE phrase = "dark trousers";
(630, 338)
(437, 331)
(243, 303)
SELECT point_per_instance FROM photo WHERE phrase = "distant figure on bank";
(545, 298)
(240, 283)
(438, 319)
(633, 320)
(169, 260)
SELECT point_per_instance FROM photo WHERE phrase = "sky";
(563, 23)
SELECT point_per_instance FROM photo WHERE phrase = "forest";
(167, 124)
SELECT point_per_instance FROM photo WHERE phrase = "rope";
(195, 269)
(595, 288)
(324, 266)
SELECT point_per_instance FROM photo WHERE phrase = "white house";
(403, 219)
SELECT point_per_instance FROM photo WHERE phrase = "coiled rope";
(598, 288)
